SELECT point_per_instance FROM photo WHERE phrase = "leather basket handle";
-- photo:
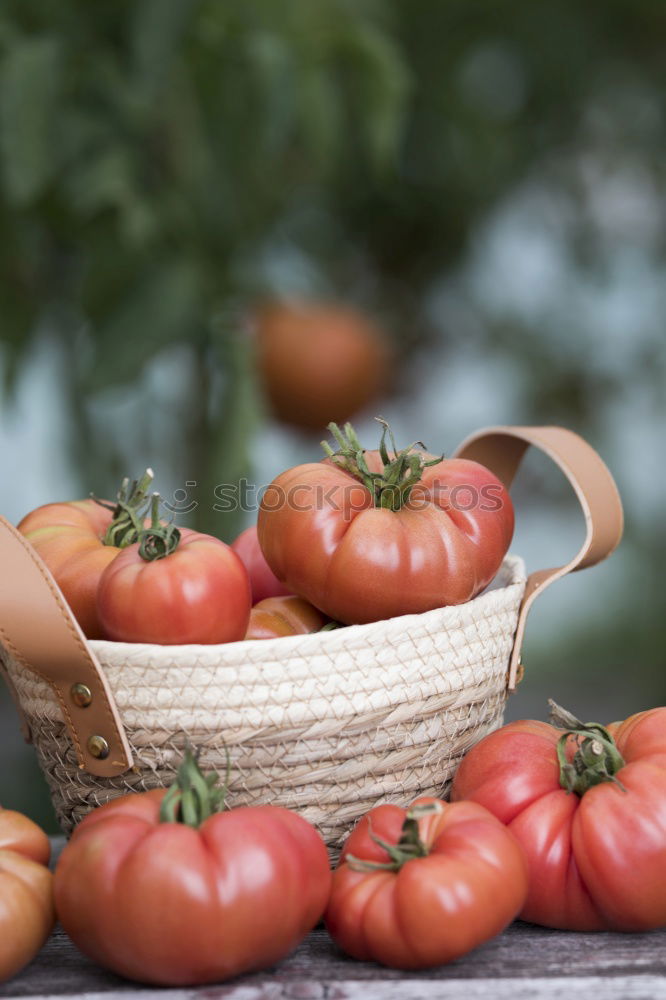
(501, 449)
(38, 628)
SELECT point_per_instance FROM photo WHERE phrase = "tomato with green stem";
(588, 804)
(166, 888)
(370, 535)
(78, 539)
(419, 887)
(174, 586)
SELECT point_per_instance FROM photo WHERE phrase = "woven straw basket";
(328, 724)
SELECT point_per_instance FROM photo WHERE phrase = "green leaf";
(29, 87)
(157, 30)
(161, 308)
(272, 63)
(385, 86)
(320, 114)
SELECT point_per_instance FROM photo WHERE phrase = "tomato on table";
(371, 535)
(174, 586)
(164, 888)
(419, 887)
(588, 805)
(26, 893)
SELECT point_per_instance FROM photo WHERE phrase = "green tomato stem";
(128, 512)
(160, 539)
(409, 847)
(597, 759)
(194, 797)
(391, 487)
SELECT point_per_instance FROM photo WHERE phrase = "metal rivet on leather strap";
(98, 747)
(81, 695)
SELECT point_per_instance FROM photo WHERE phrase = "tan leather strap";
(39, 630)
(501, 449)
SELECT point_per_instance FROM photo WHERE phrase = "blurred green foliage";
(155, 154)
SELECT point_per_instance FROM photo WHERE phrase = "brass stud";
(81, 695)
(98, 747)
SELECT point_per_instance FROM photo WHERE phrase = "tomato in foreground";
(416, 888)
(77, 540)
(588, 805)
(174, 586)
(319, 361)
(26, 894)
(163, 888)
(366, 536)
(263, 580)
(280, 616)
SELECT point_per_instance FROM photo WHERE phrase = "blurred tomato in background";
(319, 362)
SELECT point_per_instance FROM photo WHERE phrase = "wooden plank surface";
(524, 962)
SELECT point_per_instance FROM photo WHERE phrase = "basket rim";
(512, 568)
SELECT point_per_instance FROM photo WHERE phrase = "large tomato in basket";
(368, 535)
(588, 805)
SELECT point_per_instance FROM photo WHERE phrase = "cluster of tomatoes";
(563, 825)
(358, 537)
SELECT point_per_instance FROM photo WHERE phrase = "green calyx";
(409, 847)
(127, 526)
(597, 759)
(128, 512)
(392, 486)
(193, 797)
(160, 539)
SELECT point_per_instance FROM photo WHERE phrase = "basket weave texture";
(328, 724)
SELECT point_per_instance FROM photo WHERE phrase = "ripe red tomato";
(198, 593)
(263, 581)
(77, 540)
(26, 895)
(367, 535)
(591, 816)
(319, 362)
(279, 616)
(194, 897)
(445, 879)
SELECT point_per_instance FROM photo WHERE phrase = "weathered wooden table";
(523, 963)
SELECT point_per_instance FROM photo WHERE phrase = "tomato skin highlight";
(596, 861)
(359, 563)
(27, 913)
(68, 537)
(277, 617)
(471, 884)
(166, 904)
(263, 581)
(200, 594)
